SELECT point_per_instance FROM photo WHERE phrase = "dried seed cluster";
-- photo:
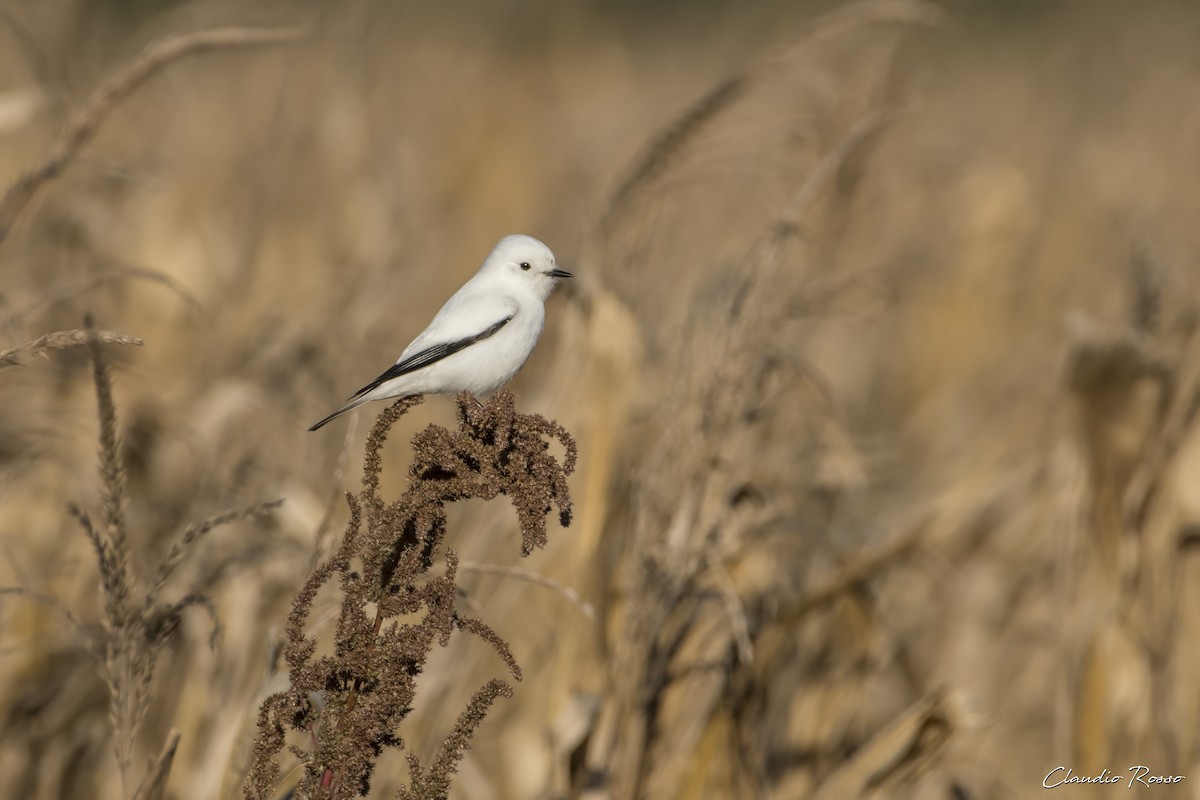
(347, 705)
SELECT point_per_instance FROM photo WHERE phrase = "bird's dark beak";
(559, 273)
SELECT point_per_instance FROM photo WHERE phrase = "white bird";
(483, 334)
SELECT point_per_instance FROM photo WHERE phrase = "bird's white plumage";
(483, 334)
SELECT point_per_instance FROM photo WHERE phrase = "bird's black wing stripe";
(430, 355)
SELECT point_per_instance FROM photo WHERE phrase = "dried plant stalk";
(368, 684)
(134, 632)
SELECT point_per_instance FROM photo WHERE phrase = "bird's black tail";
(348, 407)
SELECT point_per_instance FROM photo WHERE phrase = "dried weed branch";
(698, 523)
(134, 632)
(367, 685)
(667, 147)
(86, 121)
(694, 643)
(1134, 399)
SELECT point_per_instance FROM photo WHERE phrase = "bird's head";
(524, 261)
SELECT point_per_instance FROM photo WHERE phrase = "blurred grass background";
(883, 365)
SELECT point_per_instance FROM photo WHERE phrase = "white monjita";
(483, 334)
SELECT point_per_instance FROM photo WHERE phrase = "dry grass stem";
(84, 123)
(669, 145)
(154, 785)
(72, 288)
(49, 602)
(60, 340)
(528, 576)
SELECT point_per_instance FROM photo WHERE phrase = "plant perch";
(346, 706)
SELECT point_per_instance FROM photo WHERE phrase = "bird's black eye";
(525, 265)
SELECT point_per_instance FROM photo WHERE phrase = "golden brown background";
(883, 359)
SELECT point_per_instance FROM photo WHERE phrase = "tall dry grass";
(882, 363)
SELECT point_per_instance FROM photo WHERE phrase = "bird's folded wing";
(426, 354)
